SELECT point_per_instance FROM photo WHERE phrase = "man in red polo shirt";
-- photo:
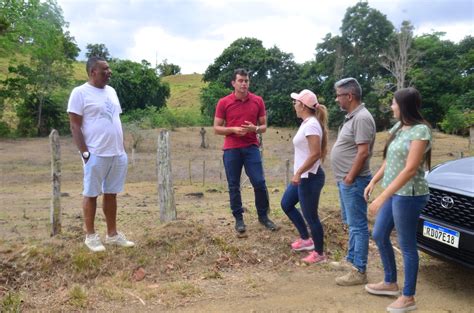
(239, 117)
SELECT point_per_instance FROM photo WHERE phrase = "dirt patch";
(196, 263)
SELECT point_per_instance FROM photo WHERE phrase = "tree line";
(381, 57)
(40, 53)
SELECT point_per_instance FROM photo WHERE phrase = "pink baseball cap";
(307, 97)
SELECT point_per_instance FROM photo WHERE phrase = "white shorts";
(104, 175)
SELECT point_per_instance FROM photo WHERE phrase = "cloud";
(155, 44)
(192, 33)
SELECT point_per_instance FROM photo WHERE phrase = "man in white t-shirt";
(94, 116)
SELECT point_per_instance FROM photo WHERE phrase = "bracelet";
(256, 129)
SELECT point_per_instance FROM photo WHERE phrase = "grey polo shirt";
(358, 128)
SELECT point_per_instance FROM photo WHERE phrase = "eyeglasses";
(295, 102)
(342, 94)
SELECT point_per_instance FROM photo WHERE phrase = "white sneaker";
(119, 240)
(93, 243)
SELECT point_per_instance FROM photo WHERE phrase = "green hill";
(183, 104)
(79, 71)
(185, 91)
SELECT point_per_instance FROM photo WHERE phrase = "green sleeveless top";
(396, 159)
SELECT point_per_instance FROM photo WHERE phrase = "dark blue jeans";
(249, 158)
(401, 212)
(354, 213)
(307, 194)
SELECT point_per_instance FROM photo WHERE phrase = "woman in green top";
(406, 193)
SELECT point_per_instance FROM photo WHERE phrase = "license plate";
(441, 234)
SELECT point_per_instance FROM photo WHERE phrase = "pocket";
(343, 184)
(87, 164)
(124, 159)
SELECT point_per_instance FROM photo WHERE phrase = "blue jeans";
(401, 212)
(249, 158)
(307, 194)
(354, 214)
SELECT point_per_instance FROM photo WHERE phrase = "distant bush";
(209, 97)
(151, 117)
(4, 129)
(456, 121)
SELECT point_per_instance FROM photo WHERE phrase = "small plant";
(252, 282)
(212, 275)
(338, 255)
(11, 303)
(78, 296)
(83, 261)
(184, 289)
(224, 246)
(111, 293)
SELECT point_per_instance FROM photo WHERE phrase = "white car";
(446, 225)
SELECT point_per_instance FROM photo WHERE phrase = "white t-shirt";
(309, 127)
(101, 126)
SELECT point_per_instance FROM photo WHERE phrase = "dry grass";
(191, 259)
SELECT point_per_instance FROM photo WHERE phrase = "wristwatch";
(85, 155)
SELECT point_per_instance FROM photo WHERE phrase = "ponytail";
(322, 116)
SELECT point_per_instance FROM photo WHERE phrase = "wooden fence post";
(204, 172)
(203, 138)
(165, 182)
(471, 138)
(55, 213)
(287, 172)
(189, 173)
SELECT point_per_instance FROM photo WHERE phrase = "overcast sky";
(193, 33)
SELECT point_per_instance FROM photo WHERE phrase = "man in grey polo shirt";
(350, 158)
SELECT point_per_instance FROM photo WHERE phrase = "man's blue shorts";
(104, 175)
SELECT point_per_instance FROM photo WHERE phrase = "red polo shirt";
(235, 112)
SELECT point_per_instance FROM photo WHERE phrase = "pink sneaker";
(314, 257)
(301, 244)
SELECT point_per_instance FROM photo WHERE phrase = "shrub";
(78, 296)
(151, 117)
(455, 121)
(4, 129)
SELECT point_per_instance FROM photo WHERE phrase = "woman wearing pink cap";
(310, 144)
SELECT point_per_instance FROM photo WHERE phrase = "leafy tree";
(365, 34)
(247, 53)
(466, 73)
(436, 75)
(368, 32)
(36, 32)
(167, 69)
(284, 77)
(137, 85)
(209, 97)
(273, 76)
(98, 50)
(4, 24)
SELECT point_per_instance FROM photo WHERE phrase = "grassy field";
(195, 263)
